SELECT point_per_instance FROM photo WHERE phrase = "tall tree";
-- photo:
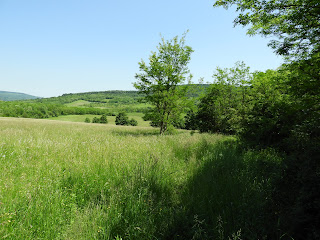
(222, 107)
(161, 81)
(295, 23)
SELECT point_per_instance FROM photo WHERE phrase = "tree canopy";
(295, 23)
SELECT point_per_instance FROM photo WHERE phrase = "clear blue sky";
(51, 47)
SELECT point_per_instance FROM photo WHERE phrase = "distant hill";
(13, 96)
(113, 100)
(113, 96)
(92, 103)
(94, 97)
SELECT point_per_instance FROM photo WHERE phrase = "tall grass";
(61, 180)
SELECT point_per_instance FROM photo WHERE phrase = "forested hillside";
(98, 97)
(12, 96)
(95, 103)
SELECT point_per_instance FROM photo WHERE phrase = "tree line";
(43, 110)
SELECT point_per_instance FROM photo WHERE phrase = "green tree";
(222, 107)
(269, 113)
(161, 81)
(104, 119)
(295, 23)
(122, 119)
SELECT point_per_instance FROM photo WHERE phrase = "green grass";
(111, 119)
(73, 118)
(64, 180)
(111, 105)
(78, 103)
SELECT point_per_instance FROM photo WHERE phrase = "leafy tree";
(221, 109)
(295, 23)
(104, 119)
(160, 81)
(269, 113)
(122, 119)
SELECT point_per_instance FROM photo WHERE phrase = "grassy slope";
(78, 103)
(115, 101)
(63, 180)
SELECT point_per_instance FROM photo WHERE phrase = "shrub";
(87, 120)
(122, 119)
(133, 122)
(104, 119)
(95, 120)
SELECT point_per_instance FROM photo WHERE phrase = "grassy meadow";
(66, 180)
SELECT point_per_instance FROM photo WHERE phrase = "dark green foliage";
(269, 113)
(122, 119)
(104, 119)
(190, 120)
(95, 120)
(295, 23)
(296, 196)
(304, 82)
(87, 120)
(282, 110)
(133, 122)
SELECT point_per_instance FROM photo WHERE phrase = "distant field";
(112, 105)
(78, 103)
(111, 119)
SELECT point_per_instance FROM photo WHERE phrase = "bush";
(87, 120)
(133, 122)
(104, 119)
(122, 119)
(95, 120)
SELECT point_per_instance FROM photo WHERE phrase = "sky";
(52, 47)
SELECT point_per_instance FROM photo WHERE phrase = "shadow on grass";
(135, 133)
(138, 132)
(225, 198)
